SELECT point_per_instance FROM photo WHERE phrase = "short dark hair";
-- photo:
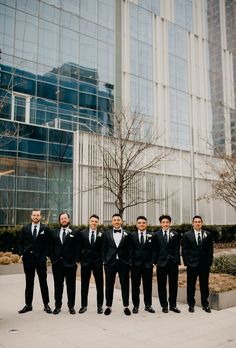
(164, 217)
(35, 209)
(117, 214)
(94, 216)
(197, 217)
(141, 217)
(62, 213)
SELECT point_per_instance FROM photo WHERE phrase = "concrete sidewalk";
(38, 329)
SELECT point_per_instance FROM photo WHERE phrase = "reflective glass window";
(88, 28)
(5, 110)
(133, 21)
(48, 44)
(145, 61)
(49, 12)
(26, 35)
(134, 56)
(105, 62)
(70, 20)
(145, 26)
(69, 46)
(183, 13)
(106, 13)
(7, 27)
(88, 52)
(72, 6)
(88, 10)
(26, 6)
(106, 35)
(32, 149)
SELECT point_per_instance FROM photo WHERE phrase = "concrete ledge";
(217, 301)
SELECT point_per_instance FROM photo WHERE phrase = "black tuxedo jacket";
(69, 251)
(164, 252)
(142, 254)
(110, 250)
(39, 246)
(91, 254)
(194, 254)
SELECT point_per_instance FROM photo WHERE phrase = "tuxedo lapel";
(87, 241)
(193, 239)
(112, 237)
(122, 238)
(29, 231)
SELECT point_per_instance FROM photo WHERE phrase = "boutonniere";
(149, 236)
(124, 234)
(99, 234)
(69, 232)
(171, 235)
(204, 235)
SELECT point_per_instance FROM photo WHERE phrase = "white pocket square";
(71, 235)
(41, 232)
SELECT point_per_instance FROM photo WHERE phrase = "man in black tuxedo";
(167, 259)
(65, 252)
(91, 261)
(142, 265)
(34, 248)
(197, 251)
(117, 259)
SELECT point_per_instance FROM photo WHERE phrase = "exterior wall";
(64, 66)
(172, 183)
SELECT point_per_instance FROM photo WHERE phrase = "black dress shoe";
(191, 309)
(164, 309)
(207, 309)
(175, 309)
(82, 310)
(135, 310)
(107, 311)
(99, 310)
(47, 309)
(72, 310)
(56, 311)
(127, 311)
(25, 309)
(149, 309)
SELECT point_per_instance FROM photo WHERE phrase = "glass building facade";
(66, 64)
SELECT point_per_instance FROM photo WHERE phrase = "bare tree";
(224, 185)
(126, 157)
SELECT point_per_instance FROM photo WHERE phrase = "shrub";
(15, 258)
(227, 234)
(224, 264)
(5, 260)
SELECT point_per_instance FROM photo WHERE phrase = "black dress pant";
(169, 271)
(86, 271)
(61, 273)
(111, 271)
(33, 263)
(145, 273)
(203, 273)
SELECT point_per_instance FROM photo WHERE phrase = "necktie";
(63, 235)
(141, 238)
(199, 238)
(117, 231)
(92, 238)
(35, 232)
(165, 237)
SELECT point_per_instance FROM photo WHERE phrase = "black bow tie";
(117, 231)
